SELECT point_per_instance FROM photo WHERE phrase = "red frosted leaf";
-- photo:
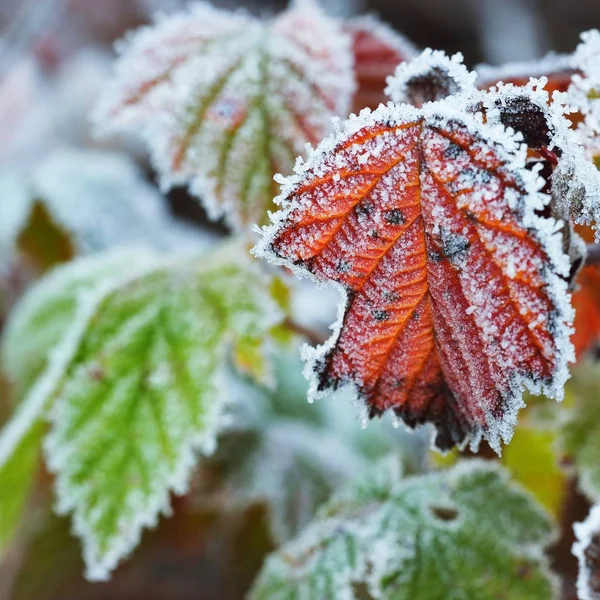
(452, 299)
(378, 50)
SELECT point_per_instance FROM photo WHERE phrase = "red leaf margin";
(481, 422)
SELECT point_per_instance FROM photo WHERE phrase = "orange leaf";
(452, 299)
(378, 50)
(586, 302)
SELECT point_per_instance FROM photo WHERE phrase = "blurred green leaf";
(580, 433)
(464, 533)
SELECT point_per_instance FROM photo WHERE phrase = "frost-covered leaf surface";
(580, 435)
(378, 50)
(466, 533)
(45, 314)
(432, 76)
(587, 551)
(575, 180)
(141, 395)
(225, 100)
(453, 300)
(96, 199)
(38, 340)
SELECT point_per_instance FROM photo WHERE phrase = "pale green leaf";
(46, 312)
(39, 339)
(465, 533)
(141, 395)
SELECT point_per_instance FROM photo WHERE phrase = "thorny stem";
(313, 336)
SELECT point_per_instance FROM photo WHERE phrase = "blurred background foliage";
(281, 458)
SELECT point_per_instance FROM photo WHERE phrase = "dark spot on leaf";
(434, 85)
(454, 246)
(434, 256)
(374, 234)
(444, 513)
(363, 209)
(452, 151)
(390, 297)
(394, 216)
(525, 117)
(381, 315)
(343, 266)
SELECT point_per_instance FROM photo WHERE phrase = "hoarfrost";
(224, 100)
(341, 230)
(431, 76)
(587, 550)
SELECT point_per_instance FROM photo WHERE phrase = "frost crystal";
(224, 100)
(584, 92)
(587, 551)
(430, 77)
(453, 297)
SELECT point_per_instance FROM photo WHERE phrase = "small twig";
(311, 335)
(593, 255)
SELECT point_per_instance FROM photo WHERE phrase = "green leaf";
(44, 315)
(464, 533)
(141, 395)
(38, 341)
(580, 434)
(19, 461)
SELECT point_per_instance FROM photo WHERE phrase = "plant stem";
(311, 335)
(593, 255)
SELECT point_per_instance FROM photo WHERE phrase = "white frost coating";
(584, 92)
(98, 198)
(60, 452)
(584, 532)
(510, 149)
(14, 210)
(220, 97)
(447, 74)
(36, 403)
(575, 180)
(545, 66)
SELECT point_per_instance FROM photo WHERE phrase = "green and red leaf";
(225, 100)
